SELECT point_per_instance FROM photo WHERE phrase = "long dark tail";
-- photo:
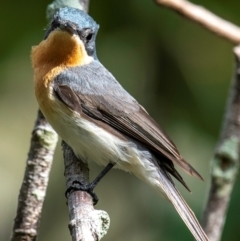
(181, 206)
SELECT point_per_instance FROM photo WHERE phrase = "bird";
(97, 117)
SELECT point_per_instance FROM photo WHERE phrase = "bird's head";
(69, 41)
(77, 24)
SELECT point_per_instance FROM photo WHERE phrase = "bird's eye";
(87, 35)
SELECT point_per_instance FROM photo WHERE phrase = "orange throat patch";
(58, 52)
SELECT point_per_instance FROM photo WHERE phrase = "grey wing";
(102, 97)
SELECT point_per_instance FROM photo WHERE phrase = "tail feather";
(181, 206)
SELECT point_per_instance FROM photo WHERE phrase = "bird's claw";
(78, 186)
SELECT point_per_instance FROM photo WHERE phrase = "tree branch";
(225, 163)
(34, 185)
(205, 18)
(86, 223)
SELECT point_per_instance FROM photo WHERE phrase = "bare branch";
(225, 163)
(86, 223)
(205, 18)
(33, 190)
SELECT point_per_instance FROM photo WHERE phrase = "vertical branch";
(225, 163)
(34, 185)
(86, 223)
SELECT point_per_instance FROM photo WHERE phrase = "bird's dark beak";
(64, 26)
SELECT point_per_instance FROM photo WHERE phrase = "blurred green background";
(178, 71)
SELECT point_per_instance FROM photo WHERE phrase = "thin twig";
(34, 185)
(225, 163)
(205, 18)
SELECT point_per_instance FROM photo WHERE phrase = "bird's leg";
(94, 183)
(76, 185)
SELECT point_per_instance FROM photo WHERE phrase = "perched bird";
(99, 119)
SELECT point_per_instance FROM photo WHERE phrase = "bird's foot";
(78, 186)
